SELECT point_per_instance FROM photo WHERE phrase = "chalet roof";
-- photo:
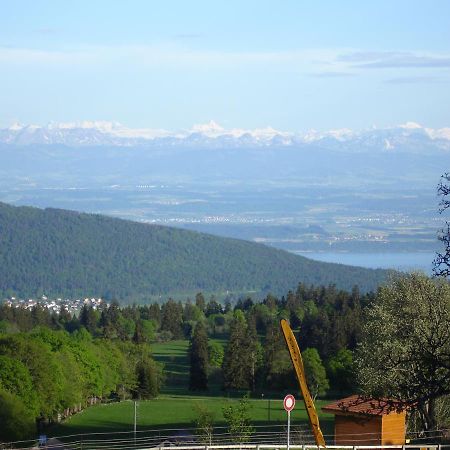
(358, 405)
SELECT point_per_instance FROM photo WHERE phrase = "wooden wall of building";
(394, 428)
(370, 430)
(351, 430)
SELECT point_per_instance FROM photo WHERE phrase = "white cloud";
(318, 62)
(392, 59)
(26, 56)
(170, 54)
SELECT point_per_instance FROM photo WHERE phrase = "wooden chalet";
(362, 421)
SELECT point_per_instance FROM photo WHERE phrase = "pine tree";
(139, 336)
(200, 301)
(279, 373)
(88, 318)
(236, 362)
(198, 355)
(148, 379)
(172, 318)
(254, 351)
(154, 312)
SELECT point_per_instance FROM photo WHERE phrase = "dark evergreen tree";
(200, 301)
(293, 306)
(148, 381)
(271, 302)
(198, 358)
(227, 308)
(139, 335)
(254, 350)
(278, 371)
(40, 316)
(108, 330)
(88, 318)
(236, 366)
(172, 318)
(154, 312)
(213, 307)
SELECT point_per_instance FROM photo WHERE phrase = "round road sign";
(289, 402)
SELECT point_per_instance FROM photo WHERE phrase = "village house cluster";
(57, 305)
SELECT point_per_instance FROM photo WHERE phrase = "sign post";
(289, 403)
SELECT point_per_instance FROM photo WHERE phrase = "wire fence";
(261, 438)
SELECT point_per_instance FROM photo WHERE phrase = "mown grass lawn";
(176, 412)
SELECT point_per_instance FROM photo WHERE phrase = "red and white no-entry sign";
(289, 402)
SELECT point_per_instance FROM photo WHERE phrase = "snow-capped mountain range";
(408, 137)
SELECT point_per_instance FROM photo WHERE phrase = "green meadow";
(176, 412)
(176, 407)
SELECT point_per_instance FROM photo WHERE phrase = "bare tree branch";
(441, 264)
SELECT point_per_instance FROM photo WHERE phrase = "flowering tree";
(405, 350)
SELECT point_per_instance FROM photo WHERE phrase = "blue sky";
(292, 65)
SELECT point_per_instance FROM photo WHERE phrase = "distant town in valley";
(57, 305)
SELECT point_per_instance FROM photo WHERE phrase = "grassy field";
(174, 356)
(176, 407)
(176, 412)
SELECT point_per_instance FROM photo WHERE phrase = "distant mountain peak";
(211, 134)
(99, 125)
(411, 126)
(16, 126)
(210, 129)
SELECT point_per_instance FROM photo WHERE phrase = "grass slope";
(60, 252)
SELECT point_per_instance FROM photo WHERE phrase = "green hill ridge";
(67, 253)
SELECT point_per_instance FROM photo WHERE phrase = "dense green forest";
(52, 365)
(48, 373)
(64, 253)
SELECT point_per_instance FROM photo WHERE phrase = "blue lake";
(399, 261)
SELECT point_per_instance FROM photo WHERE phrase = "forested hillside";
(64, 253)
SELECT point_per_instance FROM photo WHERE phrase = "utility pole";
(135, 420)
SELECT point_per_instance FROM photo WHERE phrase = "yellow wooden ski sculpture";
(297, 362)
